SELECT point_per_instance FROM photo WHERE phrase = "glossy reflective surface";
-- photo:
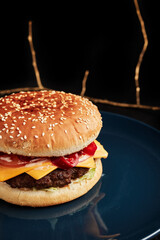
(124, 203)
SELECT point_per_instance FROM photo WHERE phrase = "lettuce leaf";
(89, 175)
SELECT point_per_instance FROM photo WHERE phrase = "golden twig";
(9, 91)
(34, 62)
(126, 105)
(136, 77)
(112, 103)
(84, 83)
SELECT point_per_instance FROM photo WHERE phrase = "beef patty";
(57, 178)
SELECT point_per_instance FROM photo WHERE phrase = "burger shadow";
(73, 220)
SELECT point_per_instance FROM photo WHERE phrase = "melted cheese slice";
(89, 163)
(41, 169)
(7, 173)
(100, 152)
(48, 167)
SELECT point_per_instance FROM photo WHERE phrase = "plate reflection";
(79, 219)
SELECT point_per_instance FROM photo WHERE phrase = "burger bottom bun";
(41, 198)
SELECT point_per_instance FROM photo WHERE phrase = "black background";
(68, 38)
(104, 38)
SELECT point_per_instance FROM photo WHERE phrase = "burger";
(48, 149)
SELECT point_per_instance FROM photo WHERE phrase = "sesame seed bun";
(41, 198)
(47, 123)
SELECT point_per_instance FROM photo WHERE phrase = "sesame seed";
(62, 118)
(65, 131)
(0, 136)
(25, 137)
(11, 136)
(43, 134)
(33, 126)
(48, 145)
(36, 136)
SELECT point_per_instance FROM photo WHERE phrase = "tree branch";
(34, 61)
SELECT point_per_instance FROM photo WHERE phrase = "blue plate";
(124, 204)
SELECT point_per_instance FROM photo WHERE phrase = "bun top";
(47, 123)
